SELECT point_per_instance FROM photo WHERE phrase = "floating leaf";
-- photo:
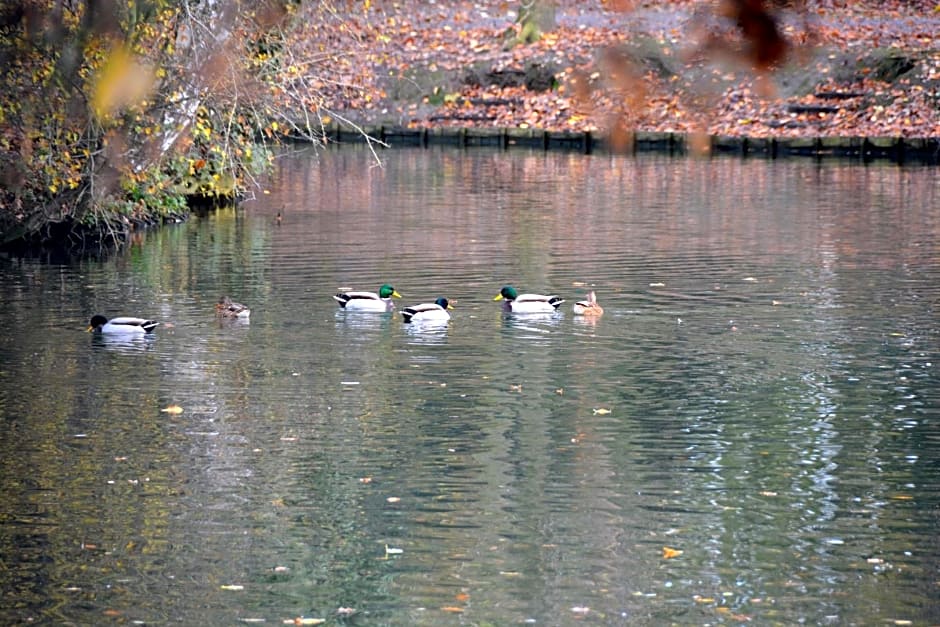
(601, 411)
(669, 552)
(393, 551)
(172, 409)
(232, 586)
(452, 609)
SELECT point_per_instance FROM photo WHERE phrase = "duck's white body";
(122, 325)
(535, 303)
(427, 312)
(364, 301)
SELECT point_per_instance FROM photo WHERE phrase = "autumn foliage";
(114, 113)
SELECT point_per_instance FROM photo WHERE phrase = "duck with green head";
(121, 325)
(428, 312)
(527, 303)
(368, 301)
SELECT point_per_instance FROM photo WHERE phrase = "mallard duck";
(436, 311)
(227, 308)
(527, 303)
(588, 307)
(125, 325)
(368, 301)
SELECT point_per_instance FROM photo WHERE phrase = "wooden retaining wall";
(895, 149)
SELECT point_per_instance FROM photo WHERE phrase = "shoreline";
(899, 150)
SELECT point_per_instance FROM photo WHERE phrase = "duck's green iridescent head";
(443, 304)
(387, 291)
(508, 292)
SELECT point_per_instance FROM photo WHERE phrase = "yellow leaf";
(172, 409)
(602, 411)
(452, 609)
(669, 552)
(232, 587)
(122, 81)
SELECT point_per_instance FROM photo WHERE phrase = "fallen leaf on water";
(393, 499)
(580, 609)
(767, 493)
(365, 479)
(232, 586)
(657, 285)
(345, 611)
(701, 599)
(463, 597)
(750, 279)
(300, 620)
(601, 411)
(172, 409)
(452, 609)
(669, 552)
(560, 391)
(393, 551)
(112, 612)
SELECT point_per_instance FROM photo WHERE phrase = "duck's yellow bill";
(89, 329)
(396, 295)
(498, 297)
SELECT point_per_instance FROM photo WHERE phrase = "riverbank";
(826, 79)
(839, 70)
(864, 149)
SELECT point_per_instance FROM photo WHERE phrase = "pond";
(750, 432)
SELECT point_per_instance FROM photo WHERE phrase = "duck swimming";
(125, 325)
(588, 307)
(527, 303)
(227, 308)
(368, 301)
(436, 311)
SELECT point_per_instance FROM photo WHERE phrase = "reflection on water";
(760, 394)
(123, 343)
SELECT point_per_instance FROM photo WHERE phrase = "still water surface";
(761, 399)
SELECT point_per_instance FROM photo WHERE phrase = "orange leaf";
(669, 553)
